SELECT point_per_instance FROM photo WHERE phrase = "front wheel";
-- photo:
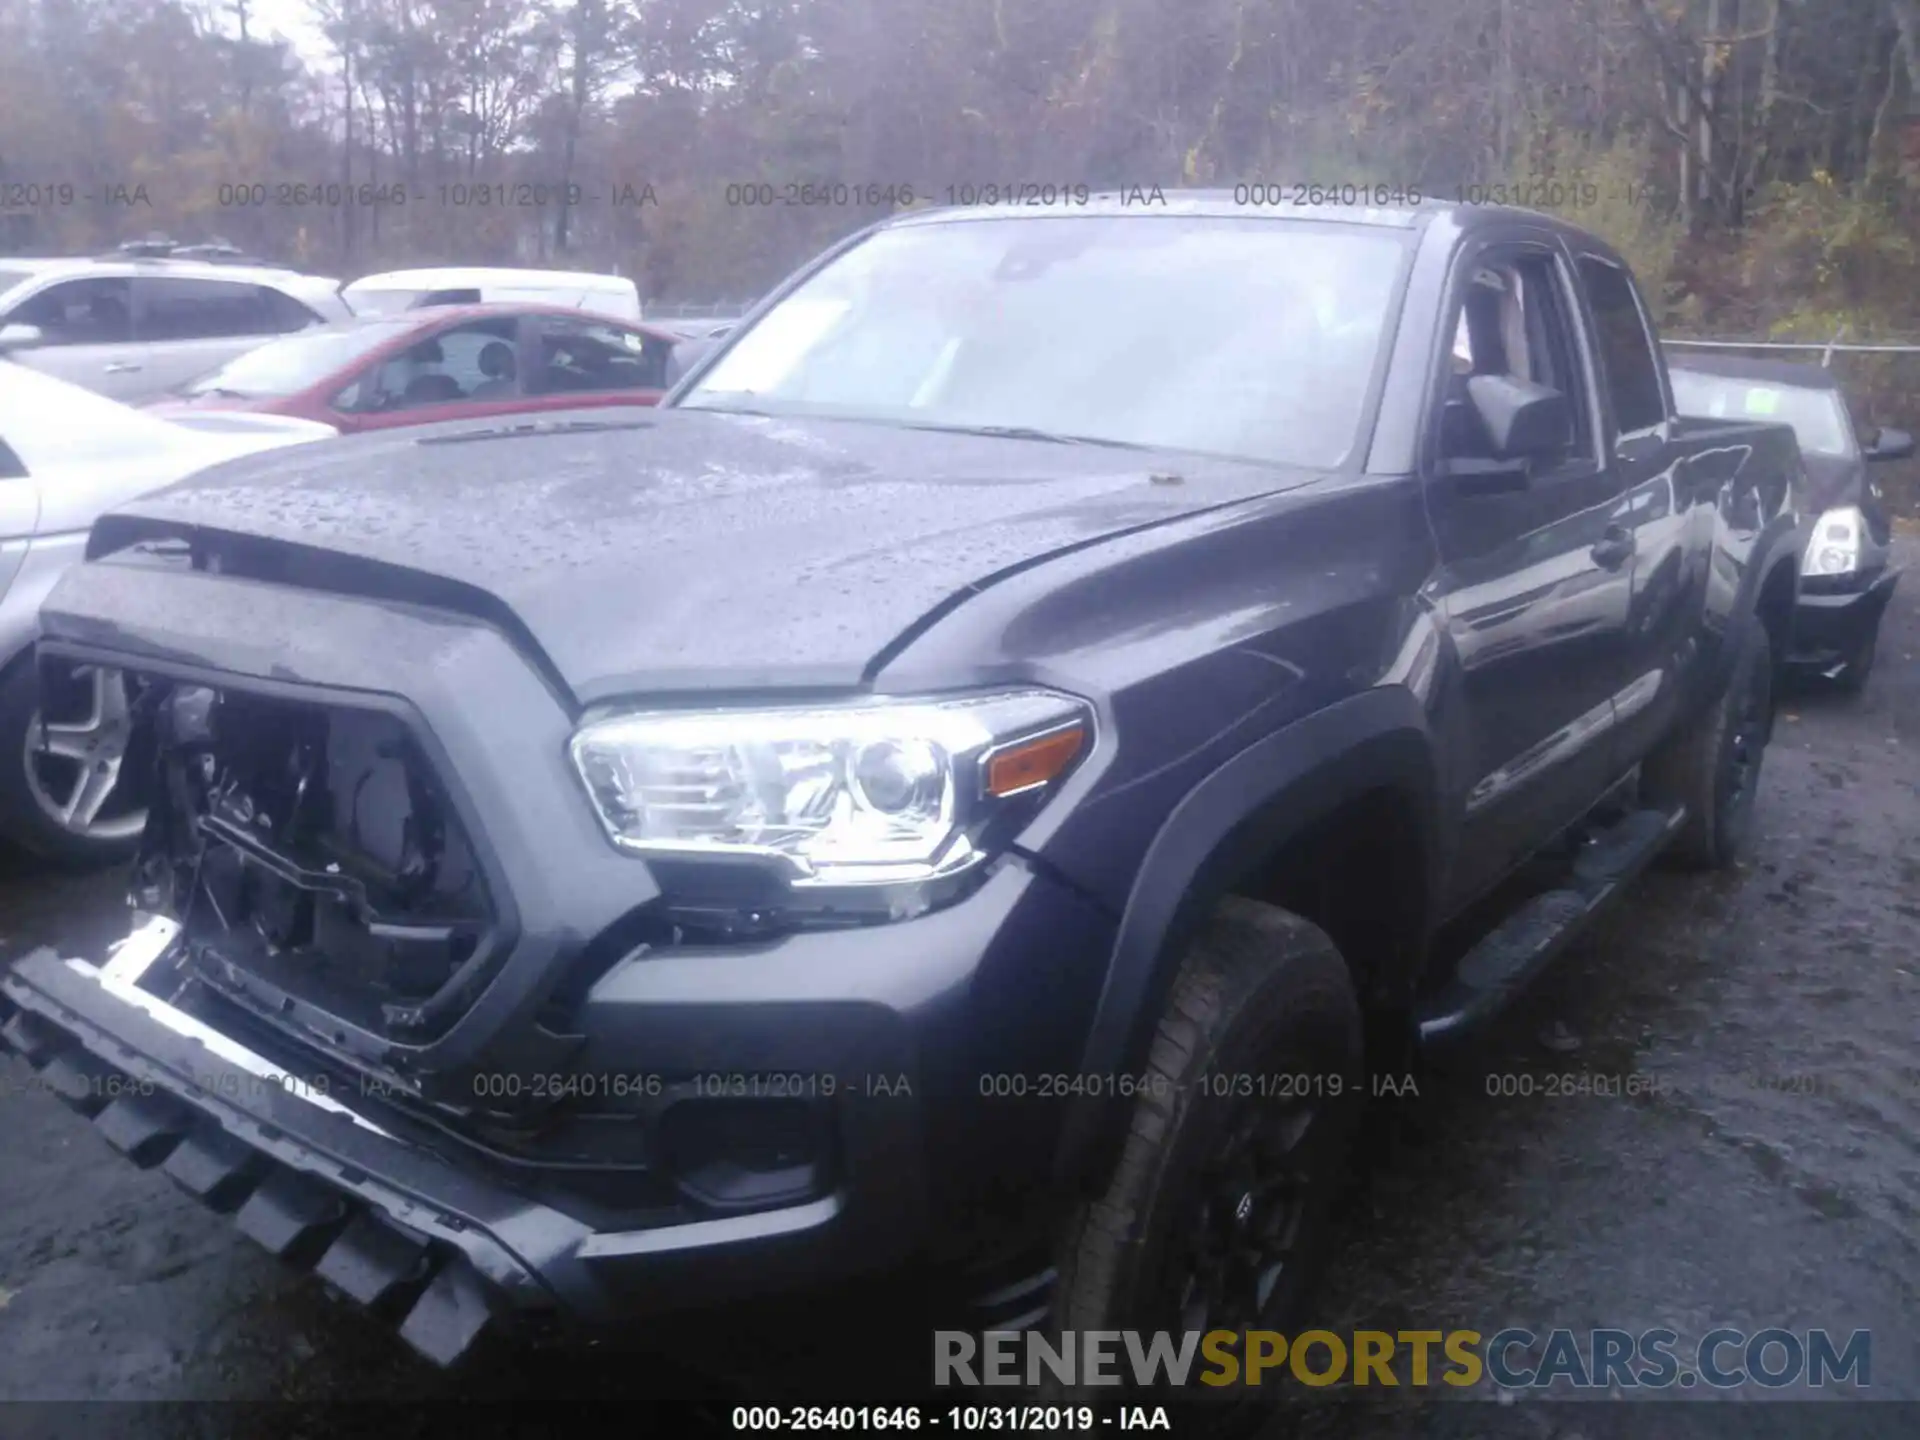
(1712, 765)
(1216, 1216)
(62, 752)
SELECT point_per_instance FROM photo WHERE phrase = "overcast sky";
(292, 20)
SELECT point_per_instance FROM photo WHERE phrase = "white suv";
(133, 329)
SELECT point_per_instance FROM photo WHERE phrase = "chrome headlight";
(1835, 546)
(875, 791)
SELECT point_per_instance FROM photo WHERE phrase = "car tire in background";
(1711, 765)
(1261, 1034)
(88, 719)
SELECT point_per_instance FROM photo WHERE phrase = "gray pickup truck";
(992, 773)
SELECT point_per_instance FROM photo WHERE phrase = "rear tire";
(1238, 1146)
(1712, 765)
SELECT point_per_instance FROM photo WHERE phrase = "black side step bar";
(1509, 956)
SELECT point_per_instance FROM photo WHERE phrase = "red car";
(448, 363)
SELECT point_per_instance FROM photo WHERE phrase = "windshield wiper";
(534, 427)
(732, 409)
(221, 391)
(1023, 432)
(997, 432)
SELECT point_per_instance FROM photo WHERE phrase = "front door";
(86, 328)
(1535, 576)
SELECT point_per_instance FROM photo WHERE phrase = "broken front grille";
(320, 872)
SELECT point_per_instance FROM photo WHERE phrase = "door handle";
(1614, 549)
(123, 367)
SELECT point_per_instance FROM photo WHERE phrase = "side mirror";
(1524, 421)
(1888, 443)
(19, 337)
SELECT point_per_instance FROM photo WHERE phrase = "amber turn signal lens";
(1021, 767)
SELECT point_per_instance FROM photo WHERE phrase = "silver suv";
(134, 328)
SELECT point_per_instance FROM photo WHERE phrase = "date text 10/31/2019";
(960, 1419)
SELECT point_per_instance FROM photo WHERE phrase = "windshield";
(1818, 419)
(1248, 338)
(288, 366)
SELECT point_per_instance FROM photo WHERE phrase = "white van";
(397, 290)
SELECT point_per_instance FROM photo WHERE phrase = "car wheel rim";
(75, 751)
(1243, 1231)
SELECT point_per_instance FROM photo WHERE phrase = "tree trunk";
(1906, 19)
(583, 45)
(246, 60)
(346, 149)
(1754, 172)
(1883, 146)
(1503, 119)
(1709, 89)
(1689, 208)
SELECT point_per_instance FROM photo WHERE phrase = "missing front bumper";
(226, 1127)
(420, 1237)
(1830, 625)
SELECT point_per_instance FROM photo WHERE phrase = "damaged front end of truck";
(353, 1010)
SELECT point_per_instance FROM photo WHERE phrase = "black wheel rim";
(1245, 1224)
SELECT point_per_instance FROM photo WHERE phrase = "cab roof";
(280, 277)
(456, 277)
(437, 317)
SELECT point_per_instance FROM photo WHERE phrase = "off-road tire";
(1698, 767)
(1261, 993)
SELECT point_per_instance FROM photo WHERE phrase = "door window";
(174, 307)
(582, 356)
(1515, 318)
(80, 312)
(474, 361)
(284, 313)
(1626, 349)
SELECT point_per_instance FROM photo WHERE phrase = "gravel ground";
(1770, 1178)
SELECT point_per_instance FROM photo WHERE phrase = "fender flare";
(1237, 816)
(1776, 548)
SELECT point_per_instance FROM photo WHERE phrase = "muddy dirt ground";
(1772, 1177)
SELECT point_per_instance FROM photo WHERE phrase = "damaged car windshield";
(1248, 338)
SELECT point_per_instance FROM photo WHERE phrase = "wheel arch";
(1774, 602)
(1770, 589)
(1363, 761)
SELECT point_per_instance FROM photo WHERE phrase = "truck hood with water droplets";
(699, 550)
